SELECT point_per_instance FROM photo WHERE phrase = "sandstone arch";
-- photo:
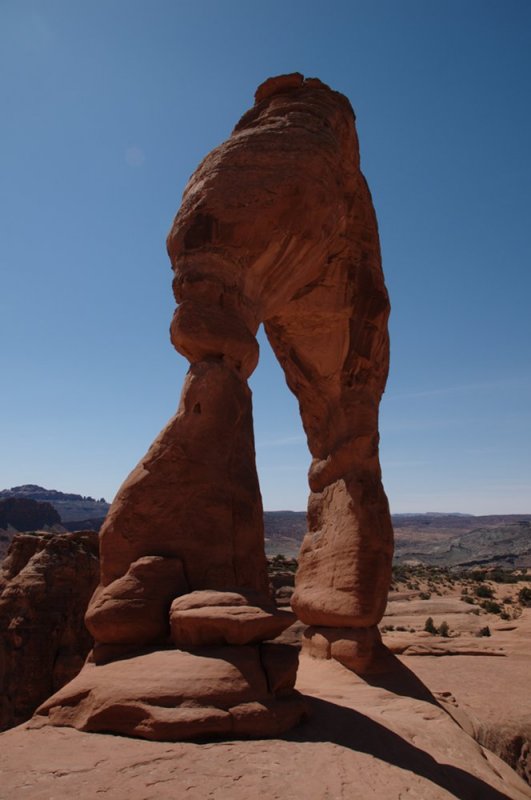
(278, 223)
(276, 226)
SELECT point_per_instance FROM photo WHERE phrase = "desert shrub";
(505, 615)
(508, 600)
(484, 591)
(425, 595)
(484, 631)
(400, 628)
(399, 572)
(444, 629)
(491, 606)
(282, 563)
(467, 599)
(524, 597)
(386, 628)
(430, 627)
(500, 575)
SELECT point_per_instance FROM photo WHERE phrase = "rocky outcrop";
(45, 584)
(72, 508)
(211, 618)
(26, 515)
(179, 695)
(276, 227)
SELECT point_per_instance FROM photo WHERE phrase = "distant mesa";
(75, 510)
(34, 492)
(25, 514)
(433, 538)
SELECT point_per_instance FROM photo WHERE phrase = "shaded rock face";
(25, 514)
(276, 227)
(45, 585)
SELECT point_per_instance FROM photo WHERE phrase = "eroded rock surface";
(212, 618)
(178, 695)
(361, 741)
(45, 584)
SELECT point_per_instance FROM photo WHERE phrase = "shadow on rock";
(348, 728)
(400, 680)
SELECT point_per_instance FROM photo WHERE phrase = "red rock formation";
(45, 584)
(276, 227)
(212, 618)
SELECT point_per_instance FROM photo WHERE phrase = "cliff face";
(45, 584)
(25, 514)
(72, 508)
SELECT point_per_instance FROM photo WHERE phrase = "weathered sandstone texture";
(46, 581)
(276, 227)
(178, 695)
(385, 740)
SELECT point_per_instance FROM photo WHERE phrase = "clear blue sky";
(107, 107)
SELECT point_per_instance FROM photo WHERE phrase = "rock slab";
(361, 741)
(180, 695)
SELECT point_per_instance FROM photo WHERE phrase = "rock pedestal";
(276, 227)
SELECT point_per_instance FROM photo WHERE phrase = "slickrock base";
(178, 695)
(363, 741)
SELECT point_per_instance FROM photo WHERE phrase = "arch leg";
(335, 358)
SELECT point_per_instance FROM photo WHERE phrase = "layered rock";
(25, 514)
(45, 584)
(212, 618)
(179, 695)
(276, 227)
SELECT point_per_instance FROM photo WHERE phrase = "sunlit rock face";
(276, 227)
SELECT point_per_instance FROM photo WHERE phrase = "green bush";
(524, 597)
(500, 575)
(491, 606)
(430, 627)
(484, 591)
(444, 629)
(425, 595)
(484, 631)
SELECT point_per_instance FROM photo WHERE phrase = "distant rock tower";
(276, 227)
